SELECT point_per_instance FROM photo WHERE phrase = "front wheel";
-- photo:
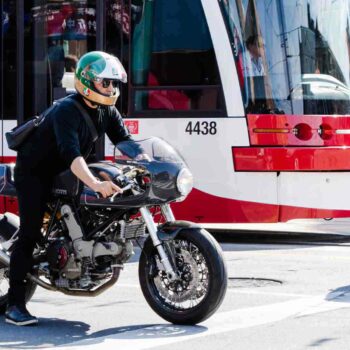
(199, 291)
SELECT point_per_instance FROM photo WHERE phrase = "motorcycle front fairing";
(159, 165)
(162, 162)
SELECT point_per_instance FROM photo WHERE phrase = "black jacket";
(65, 135)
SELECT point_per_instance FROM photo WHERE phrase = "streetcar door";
(184, 87)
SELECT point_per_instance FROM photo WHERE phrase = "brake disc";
(180, 290)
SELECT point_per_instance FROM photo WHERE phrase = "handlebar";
(125, 188)
(127, 178)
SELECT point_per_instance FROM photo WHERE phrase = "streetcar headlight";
(184, 181)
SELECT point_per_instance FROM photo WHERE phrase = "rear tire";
(203, 282)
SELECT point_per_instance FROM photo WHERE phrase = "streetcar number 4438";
(201, 128)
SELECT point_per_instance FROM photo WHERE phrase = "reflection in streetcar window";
(292, 57)
(173, 61)
(56, 34)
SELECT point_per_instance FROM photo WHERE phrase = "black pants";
(32, 191)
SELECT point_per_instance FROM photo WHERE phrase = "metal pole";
(2, 83)
(100, 24)
(284, 39)
(20, 60)
(100, 45)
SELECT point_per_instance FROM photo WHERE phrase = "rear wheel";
(4, 282)
(199, 291)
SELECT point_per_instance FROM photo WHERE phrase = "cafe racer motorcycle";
(87, 238)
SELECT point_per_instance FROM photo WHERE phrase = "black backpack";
(17, 136)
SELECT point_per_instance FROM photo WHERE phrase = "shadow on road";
(53, 332)
(50, 332)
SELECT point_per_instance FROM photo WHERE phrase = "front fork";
(152, 229)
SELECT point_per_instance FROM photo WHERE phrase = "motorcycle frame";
(152, 229)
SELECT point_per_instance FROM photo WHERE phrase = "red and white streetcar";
(255, 94)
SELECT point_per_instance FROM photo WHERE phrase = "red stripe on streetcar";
(206, 208)
(291, 158)
(8, 159)
(299, 130)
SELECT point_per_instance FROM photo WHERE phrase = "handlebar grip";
(125, 188)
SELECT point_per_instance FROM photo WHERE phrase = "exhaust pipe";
(79, 293)
(4, 257)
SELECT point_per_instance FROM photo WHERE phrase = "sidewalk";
(298, 226)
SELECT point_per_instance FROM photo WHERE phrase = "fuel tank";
(108, 171)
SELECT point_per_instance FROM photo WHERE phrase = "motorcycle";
(87, 239)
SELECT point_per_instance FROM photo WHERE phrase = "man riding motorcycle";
(62, 141)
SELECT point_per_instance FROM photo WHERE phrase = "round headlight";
(184, 181)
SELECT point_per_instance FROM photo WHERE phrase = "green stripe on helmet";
(89, 67)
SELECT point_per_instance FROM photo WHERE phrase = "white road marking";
(261, 292)
(237, 291)
(154, 336)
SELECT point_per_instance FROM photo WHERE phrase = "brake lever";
(127, 187)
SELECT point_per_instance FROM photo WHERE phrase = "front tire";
(202, 286)
(4, 282)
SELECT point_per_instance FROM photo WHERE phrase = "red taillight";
(303, 131)
(325, 131)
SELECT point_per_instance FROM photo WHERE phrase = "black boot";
(19, 316)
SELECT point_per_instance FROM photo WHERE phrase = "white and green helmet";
(94, 67)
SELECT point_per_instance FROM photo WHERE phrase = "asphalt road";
(281, 296)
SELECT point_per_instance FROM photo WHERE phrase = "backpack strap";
(87, 118)
(82, 110)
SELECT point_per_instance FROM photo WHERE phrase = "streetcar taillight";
(325, 131)
(303, 131)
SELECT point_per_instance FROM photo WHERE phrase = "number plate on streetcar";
(201, 128)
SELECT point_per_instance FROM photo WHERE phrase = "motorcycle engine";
(61, 259)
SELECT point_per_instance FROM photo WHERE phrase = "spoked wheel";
(4, 285)
(202, 282)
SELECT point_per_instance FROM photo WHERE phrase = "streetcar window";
(56, 35)
(173, 64)
(292, 56)
(8, 67)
